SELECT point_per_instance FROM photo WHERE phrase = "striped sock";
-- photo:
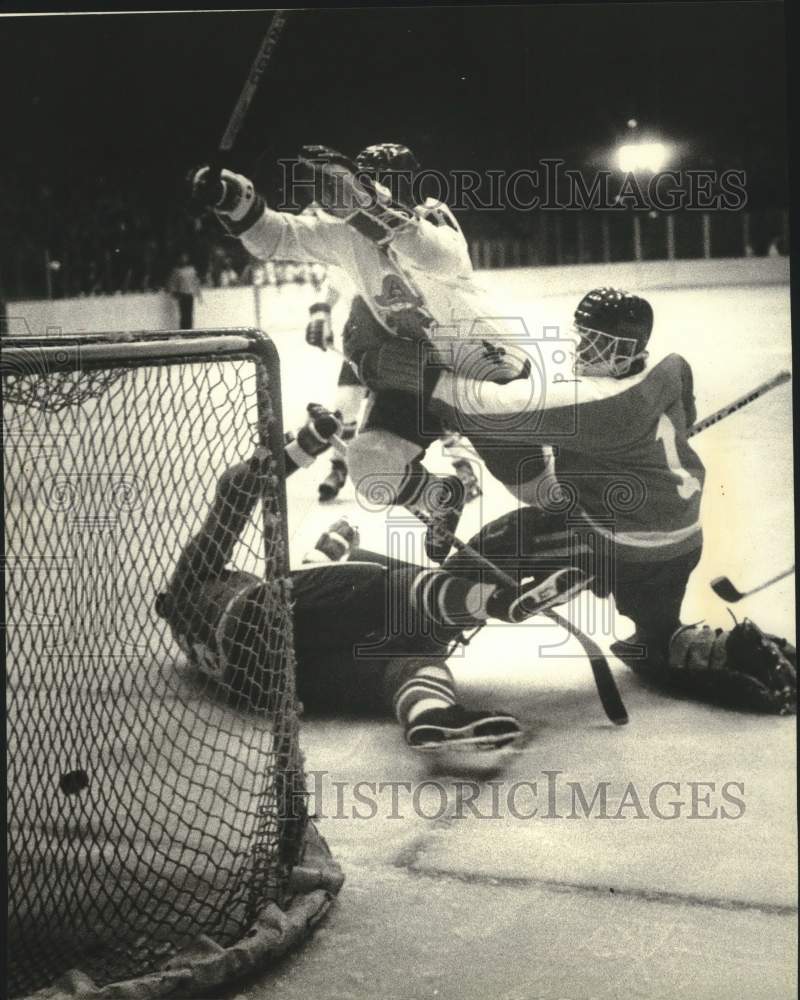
(413, 485)
(450, 600)
(429, 687)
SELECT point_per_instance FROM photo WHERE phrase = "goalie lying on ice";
(351, 654)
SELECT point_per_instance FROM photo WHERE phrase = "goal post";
(158, 839)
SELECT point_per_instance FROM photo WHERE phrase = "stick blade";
(723, 588)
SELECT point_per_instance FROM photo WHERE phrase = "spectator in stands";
(228, 276)
(317, 274)
(777, 247)
(254, 274)
(184, 284)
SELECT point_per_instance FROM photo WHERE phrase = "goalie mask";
(393, 166)
(613, 328)
(227, 628)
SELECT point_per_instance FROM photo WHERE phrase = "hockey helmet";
(613, 328)
(387, 157)
(393, 166)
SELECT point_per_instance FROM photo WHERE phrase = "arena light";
(642, 156)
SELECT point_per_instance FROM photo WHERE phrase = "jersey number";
(665, 433)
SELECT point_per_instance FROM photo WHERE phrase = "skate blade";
(476, 744)
(466, 738)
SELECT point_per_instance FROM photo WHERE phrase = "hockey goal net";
(158, 841)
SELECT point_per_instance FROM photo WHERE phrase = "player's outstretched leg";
(419, 683)
(451, 601)
(441, 506)
(426, 707)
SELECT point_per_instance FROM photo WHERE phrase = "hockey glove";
(319, 332)
(322, 425)
(313, 438)
(744, 668)
(232, 197)
(335, 544)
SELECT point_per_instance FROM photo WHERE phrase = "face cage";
(599, 353)
(399, 184)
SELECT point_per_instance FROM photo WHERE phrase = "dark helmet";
(614, 329)
(387, 157)
(393, 166)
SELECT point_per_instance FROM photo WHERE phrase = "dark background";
(110, 109)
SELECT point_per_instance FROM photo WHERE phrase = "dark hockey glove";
(322, 424)
(313, 438)
(335, 544)
(319, 332)
(232, 196)
(743, 668)
(205, 186)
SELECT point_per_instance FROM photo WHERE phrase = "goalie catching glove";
(744, 668)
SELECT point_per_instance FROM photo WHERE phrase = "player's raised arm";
(263, 231)
(208, 552)
(430, 238)
(374, 195)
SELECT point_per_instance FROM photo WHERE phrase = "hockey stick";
(610, 697)
(250, 87)
(607, 689)
(338, 445)
(722, 587)
(737, 404)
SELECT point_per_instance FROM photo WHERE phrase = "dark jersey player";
(601, 465)
(353, 645)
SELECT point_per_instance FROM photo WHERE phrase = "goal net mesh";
(154, 812)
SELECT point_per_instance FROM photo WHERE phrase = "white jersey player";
(412, 270)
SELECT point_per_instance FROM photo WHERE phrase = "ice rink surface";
(443, 901)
